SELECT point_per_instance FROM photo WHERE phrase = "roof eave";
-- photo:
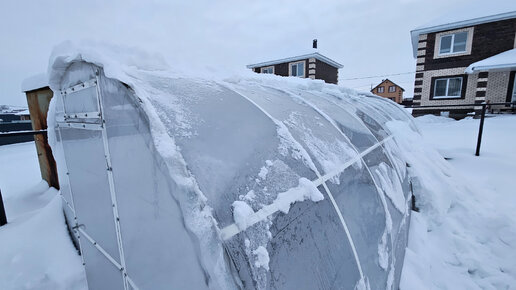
(470, 22)
(315, 55)
(484, 68)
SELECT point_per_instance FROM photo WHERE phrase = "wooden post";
(38, 101)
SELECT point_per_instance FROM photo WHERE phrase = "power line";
(379, 76)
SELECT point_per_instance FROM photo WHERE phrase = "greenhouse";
(258, 182)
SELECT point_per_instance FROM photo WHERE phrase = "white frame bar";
(112, 190)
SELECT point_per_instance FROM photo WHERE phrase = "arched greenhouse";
(259, 182)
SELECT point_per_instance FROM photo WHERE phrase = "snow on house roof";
(34, 82)
(308, 54)
(502, 61)
(467, 15)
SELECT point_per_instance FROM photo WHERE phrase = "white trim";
(435, 97)
(85, 115)
(296, 63)
(458, 24)
(481, 89)
(482, 80)
(314, 55)
(79, 87)
(311, 65)
(80, 125)
(267, 67)
(469, 43)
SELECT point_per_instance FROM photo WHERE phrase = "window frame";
(290, 64)
(393, 89)
(378, 89)
(262, 69)
(452, 33)
(463, 87)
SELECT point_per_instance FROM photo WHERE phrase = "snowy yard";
(463, 238)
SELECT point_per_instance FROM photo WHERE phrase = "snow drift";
(225, 183)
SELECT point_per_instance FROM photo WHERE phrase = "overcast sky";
(368, 37)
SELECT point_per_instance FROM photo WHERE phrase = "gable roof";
(469, 15)
(385, 80)
(315, 55)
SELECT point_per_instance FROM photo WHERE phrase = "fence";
(13, 127)
(482, 116)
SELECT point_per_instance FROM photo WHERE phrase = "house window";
(380, 89)
(392, 89)
(267, 70)
(297, 69)
(453, 43)
(446, 88)
(513, 98)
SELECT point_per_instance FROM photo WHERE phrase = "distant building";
(311, 65)
(389, 90)
(465, 61)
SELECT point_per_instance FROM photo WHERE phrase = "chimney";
(315, 44)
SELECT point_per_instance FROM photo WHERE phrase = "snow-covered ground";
(463, 237)
(465, 234)
(35, 249)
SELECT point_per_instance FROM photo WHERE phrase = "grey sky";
(367, 37)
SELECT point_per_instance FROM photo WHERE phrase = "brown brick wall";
(326, 72)
(396, 96)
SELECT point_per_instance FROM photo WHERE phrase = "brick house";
(311, 65)
(465, 61)
(389, 90)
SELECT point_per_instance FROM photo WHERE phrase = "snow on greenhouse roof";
(249, 150)
(472, 13)
(298, 56)
(502, 61)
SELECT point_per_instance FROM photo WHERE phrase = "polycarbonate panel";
(360, 204)
(226, 152)
(312, 251)
(83, 101)
(222, 146)
(358, 134)
(100, 272)
(318, 136)
(150, 218)
(85, 158)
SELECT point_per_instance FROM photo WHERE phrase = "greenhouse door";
(92, 198)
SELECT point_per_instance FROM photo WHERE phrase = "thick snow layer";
(505, 60)
(465, 234)
(36, 249)
(34, 82)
